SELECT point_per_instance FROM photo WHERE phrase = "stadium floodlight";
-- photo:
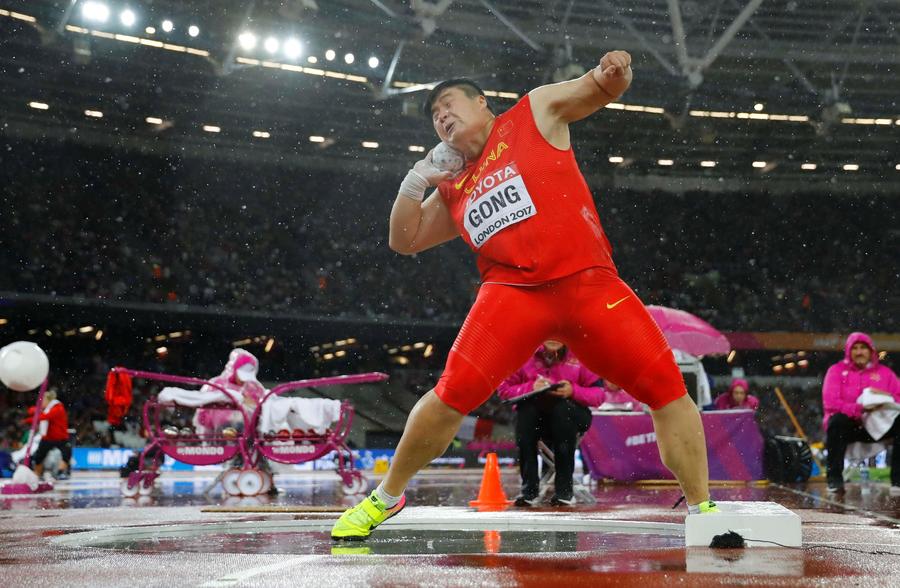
(708, 164)
(616, 159)
(96, 11)
(247, 40)
(167, 26)
(851, 167)
(154, 120)
(293, 48)
(373, 62)
(758, 107)
(897, 167)
(261, 134)
(193, 30)
(271, 45)
(417, 148)
(211, 128)
(330, 55)
(665, 162)
(808, 166)
(150, 30)
(316, 139)
(39, 105)
(759, 164)
(370, 144)
(312, 59)
(349, 58)
(127, 17)
(93, 113)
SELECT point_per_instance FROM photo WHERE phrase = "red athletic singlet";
(524, 207)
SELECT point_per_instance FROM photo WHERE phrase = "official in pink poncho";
(844, 383)
(239, 378)
(737, 397)
(558, 416)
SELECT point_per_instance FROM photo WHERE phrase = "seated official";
(845, 416)
(737, 397)
(557, 417)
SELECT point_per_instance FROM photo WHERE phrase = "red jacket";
(57, 422)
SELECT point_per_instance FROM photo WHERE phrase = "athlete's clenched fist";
(613, 75)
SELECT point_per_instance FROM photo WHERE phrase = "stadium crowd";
(125, 227)
(139, 228)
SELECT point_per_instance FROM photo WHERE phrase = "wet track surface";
(84, 533)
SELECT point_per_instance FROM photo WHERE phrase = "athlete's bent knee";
(463, 392)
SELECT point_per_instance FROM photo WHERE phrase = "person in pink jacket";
(844, 383)
(558, 416)
(737, 397)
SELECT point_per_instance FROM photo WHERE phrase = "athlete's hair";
(469, 87)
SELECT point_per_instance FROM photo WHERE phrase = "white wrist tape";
(414, 186)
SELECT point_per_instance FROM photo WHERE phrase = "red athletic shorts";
(593, 312)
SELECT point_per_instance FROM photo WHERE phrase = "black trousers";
(44, 448)
(842, 431)
(558, 421)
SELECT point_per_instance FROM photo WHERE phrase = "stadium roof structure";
(727, 94)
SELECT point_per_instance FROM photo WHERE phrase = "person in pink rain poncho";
(737, 397)
(846, 417)
(558, 416)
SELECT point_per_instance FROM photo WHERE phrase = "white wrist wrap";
(414, 186)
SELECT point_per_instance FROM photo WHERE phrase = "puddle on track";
(395, 542)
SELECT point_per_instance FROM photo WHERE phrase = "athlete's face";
(739, 394)
(456, 116)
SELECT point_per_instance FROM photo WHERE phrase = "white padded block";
(753, 520)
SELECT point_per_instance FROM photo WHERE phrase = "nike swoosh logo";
(461, 182)
(615, 304)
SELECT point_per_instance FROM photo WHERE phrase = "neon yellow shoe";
(357, 523)
(708, 506)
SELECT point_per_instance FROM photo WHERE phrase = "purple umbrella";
(689, 333)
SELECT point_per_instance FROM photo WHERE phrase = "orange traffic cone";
(491, 495)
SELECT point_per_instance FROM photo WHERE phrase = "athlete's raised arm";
(556, 105)
(419, 223)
